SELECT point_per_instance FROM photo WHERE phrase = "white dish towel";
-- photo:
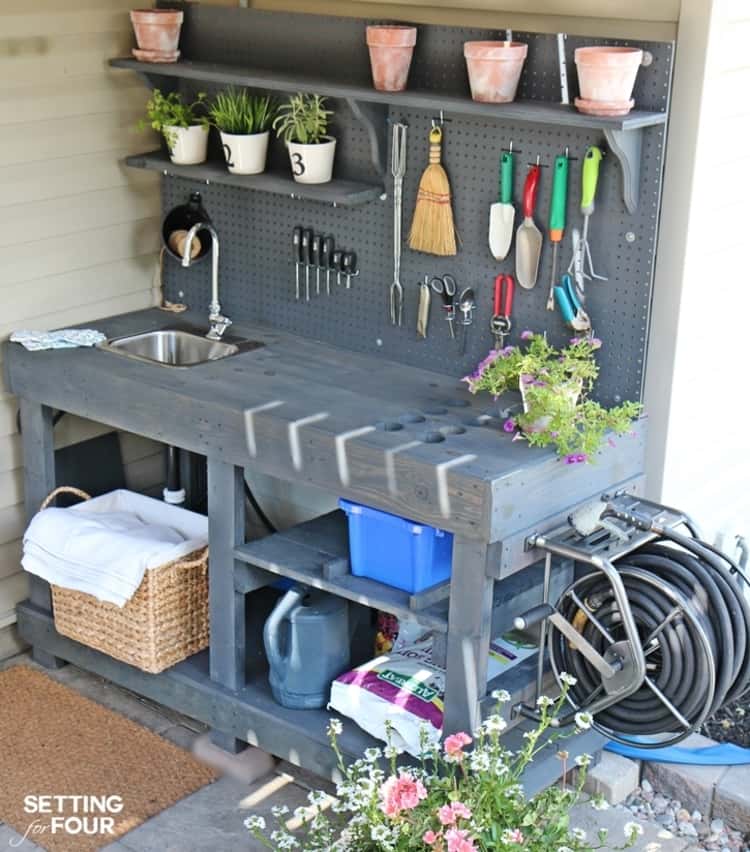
(104, 546)
(65, 338)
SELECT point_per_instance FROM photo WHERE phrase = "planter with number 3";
(312, 163)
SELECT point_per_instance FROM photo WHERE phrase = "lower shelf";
(251, 714)
(339, 193)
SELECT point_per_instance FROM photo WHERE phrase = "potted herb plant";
(184, 126)
(243, 121)
(554, 386)
(302, 122)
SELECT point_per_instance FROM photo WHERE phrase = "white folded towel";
(104, 546)
(64, 338)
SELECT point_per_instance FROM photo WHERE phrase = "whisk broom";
(432, 228)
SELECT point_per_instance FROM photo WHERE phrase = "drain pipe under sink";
(173, 493)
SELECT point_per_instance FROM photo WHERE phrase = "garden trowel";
(528, 236)
(502, 212)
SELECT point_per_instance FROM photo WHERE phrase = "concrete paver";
(653, 839)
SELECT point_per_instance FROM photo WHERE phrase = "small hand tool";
(423, 309)
(557, 218)
(307, 236)
(589, 182)
(570, 306)
(500, 323)
(337, 257)
(297, 249)
(326, 259)
(398, 169)
(349, 267)
(466, 305)
(315, 251)
(445, 287)
(528, 236)
(502, 212)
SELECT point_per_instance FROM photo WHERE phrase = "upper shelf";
(524, 111)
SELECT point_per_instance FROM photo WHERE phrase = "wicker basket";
(164, 622)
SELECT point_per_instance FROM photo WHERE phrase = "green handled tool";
(502, 212)
(557, 218)
(581, 249)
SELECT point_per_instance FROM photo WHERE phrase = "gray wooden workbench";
(398, 438)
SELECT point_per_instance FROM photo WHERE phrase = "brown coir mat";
(75, 776)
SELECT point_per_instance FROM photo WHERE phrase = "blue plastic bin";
(397, 551)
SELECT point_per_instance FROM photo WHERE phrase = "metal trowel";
(528, 236)
(502, 212)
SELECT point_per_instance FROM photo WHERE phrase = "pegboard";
(257, 269)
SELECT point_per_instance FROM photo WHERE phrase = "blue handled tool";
(570, 306)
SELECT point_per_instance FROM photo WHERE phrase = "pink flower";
(527, 334)
(454, 744)
(402, 793)
(461, 811)
(458, 840)
(513, 835)
(446, 815)
(509, 425)
(430, 838)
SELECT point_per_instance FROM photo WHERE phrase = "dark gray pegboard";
(257, 273)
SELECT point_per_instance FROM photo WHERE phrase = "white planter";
(570, 392)
(187, 145)
(312, 163)
(245, 154)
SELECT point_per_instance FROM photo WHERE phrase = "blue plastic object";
(725, 754)
(396, 551)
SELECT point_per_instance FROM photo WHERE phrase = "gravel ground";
(731, 724)
(648, 804)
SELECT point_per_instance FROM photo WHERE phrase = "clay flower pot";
(494, 69)
(606, 76)
(157, 30)
(391, 49)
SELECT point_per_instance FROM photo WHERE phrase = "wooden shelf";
(316, 553)
(522, 111)
(339, 193)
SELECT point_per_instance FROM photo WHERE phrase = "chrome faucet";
(218, 322)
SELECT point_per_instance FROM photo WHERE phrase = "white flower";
(544, 701)
(479, 761)
(279, 811)
(632, 830)
(317, 798)
(599, 803)
(568, 679)
(578, 833)
(501, 695)
(494, 724)
(380, 833)
(373, 754)
(301, 814)
(583, 721)
(583, 760)
(391, 751)
(255, 823)
(564, 849)
(284, 840)
(335, 727)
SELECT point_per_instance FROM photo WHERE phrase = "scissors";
(445, 287)
(500, 323)
(570, 305)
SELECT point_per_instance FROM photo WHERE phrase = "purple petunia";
(596, 343)
(527, 334)
(576, 458)
(509, 425)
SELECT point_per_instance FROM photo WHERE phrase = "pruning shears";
(570, 306)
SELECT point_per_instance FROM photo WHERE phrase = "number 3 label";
(298, 164)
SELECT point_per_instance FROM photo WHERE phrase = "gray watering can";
(307, 643)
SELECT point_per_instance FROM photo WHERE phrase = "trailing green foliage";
(554, 384)
(164, 111)
(303, 119)
(238, 112)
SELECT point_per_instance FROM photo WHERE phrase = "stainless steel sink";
(177, 347)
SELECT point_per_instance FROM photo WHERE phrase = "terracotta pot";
(391, 50)
(157, 29)
(606, 75)
(494, 69)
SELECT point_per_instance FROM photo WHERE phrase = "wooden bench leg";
(469, 626)
(226, 529)
(39, 481)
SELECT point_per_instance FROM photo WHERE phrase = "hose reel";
(655, 627)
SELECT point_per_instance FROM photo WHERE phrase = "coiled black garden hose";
(694, 624)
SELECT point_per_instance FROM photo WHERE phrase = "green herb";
(241, 113)
(303, 119)
(554, 385)
(165, 111)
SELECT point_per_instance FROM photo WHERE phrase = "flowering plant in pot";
(244, 122)
(184, 126)
(554, 386)
(302, 122)
(454, 800)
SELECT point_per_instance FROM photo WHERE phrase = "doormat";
(75, 775)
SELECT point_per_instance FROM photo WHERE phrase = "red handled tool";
(500, 324)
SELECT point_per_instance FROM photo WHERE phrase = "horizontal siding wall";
(78, 231)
